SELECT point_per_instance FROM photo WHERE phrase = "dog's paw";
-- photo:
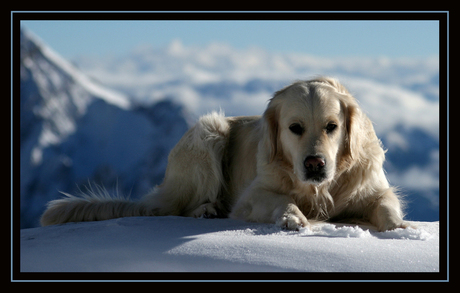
(293, 221)
(207, 210)
(390, 225)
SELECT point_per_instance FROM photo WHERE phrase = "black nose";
(314, 163)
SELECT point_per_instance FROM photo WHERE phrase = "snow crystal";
(336, 231)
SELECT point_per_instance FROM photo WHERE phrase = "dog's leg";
(263, 206)
(387, 214)
(291, 218)
(206, 210)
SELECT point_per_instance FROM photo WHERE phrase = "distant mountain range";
(74, 130)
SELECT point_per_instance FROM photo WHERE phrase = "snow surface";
(179, 244)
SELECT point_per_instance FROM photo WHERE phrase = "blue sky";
(320, 38)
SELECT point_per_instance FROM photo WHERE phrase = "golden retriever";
(312, 155)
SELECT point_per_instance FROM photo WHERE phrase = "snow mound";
(178, 244)
(331, 230)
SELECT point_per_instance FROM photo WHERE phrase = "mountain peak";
(33, 47)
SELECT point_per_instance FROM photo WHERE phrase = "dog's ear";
(354, 132)
(271, 130)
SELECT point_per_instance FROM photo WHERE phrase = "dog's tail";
(94, 205)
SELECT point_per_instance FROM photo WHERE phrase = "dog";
(312, 156)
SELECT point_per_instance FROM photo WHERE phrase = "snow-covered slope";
(177, 244)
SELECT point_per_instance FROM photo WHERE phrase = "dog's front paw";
(390, 225)
(207, 210)
(293, 221)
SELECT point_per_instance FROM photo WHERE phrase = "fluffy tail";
(91, 206)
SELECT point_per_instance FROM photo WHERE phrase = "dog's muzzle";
(315, 168)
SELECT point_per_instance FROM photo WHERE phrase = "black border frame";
(441, 16)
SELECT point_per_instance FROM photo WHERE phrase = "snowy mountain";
(74, 130)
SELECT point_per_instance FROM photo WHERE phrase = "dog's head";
(313, 127)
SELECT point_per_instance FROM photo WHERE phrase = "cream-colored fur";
(260, 168)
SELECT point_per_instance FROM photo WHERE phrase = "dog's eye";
(296, 128)
(331, 127)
